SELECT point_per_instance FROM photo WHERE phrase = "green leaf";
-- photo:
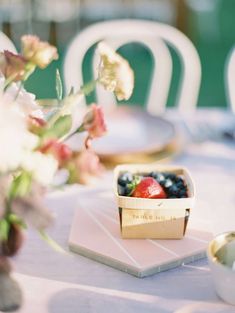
(30, 68)
(4, 229)
(51, 242)
(21, 185)
(14, 219)
(131, 186)
(59, 86)
(60, 128)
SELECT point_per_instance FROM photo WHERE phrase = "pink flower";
(36, 124)
(94, 123)
(38, 52)
(59, 150)
(87, 166)
(12, 65)
(37, 121)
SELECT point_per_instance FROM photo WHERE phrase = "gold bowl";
(221, 256)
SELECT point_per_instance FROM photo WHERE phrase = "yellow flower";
(115, 73)
(38, 52)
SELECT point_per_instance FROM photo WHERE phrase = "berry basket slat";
(142, 218)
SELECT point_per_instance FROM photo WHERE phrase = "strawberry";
(149, 188)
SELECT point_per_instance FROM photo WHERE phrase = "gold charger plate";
(134, 135)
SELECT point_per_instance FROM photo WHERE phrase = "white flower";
(115, 73)
(15, 139)
(43, 167)
(24, 101)
(17, 144)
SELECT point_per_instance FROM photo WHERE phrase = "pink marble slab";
(95, 233)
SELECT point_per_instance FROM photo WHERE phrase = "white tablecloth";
(71, 283)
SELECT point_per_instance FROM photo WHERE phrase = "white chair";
(6, 43)
(161, 76)
(119, 32)
(230, 79)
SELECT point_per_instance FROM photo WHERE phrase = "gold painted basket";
(154, 218)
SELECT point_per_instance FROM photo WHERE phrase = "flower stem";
(80, 129)
(85, 90)
(8, 82)
(19, 90)
(88, 87)
(7, 207)
(87, 142)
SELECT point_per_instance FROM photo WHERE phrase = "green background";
(213, 36)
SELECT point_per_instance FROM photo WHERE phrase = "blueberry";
(180, 185)
(179, 180)
(121, 190)
(160, 178)
(182, 193)
(171, 197)
(170, 176)
(167, 184)
(173, 191)
(153, 174)
(125, 178)
(125, 190)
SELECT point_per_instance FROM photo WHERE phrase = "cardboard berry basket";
(154, 218)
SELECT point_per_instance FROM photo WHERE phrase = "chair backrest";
(120, 32)
(6, 43)
(161, 78)
(229, 74)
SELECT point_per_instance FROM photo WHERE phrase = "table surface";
(58, 283)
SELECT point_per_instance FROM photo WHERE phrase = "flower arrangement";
(33, 144)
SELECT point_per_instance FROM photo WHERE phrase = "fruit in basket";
(127, 183)
(168, 185)
(173, 184)
(125, 179)
(149, 188)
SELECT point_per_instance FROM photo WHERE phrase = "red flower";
(12, 65)
(59, 150)
(94, 123)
